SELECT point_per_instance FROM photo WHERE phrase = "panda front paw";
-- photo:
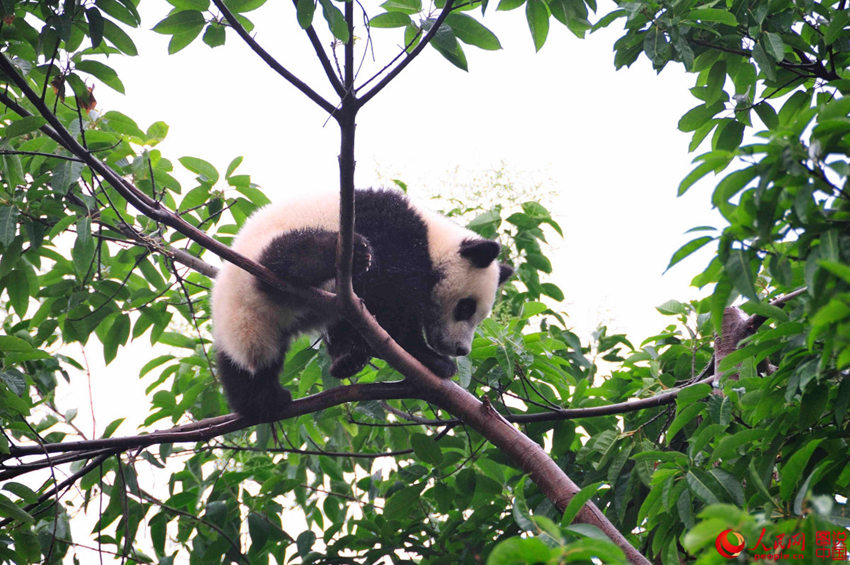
(362, 259)
(443, 367)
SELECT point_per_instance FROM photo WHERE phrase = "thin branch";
(24, 113)
(31, 508)
(335, 81)
(271, 61)
(39, 154)
(413, 54)
(214, 427)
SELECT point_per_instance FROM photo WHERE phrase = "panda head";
(468, 276)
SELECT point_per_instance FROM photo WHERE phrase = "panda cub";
(428, 282)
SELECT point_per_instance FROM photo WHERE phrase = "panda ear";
(505, 272)
(480, 252)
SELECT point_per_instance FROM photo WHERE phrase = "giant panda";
(427, 281)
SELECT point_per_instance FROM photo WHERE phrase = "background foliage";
(401, 480)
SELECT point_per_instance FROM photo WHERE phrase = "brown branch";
(271, 61)
(61, 486)
(24, 113)
(214, 427)
(323, 58)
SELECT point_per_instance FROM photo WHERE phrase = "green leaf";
(335, 19)
(304, 10)
(835, 29)
(741, 273)
(18, 288)
(715, 15)
(198, 5)
(505, 5)
(12, 344)
(700, 486)
(672, 308)
(11, 510)
(233, 166)
(765, 63)
(123, 124)
(696, 117)
(774, 46)
(408, 7)
(106, 74)
(126, 14)
(95, 20)
(552, 291)
(205, 170)
(119, 38)
(113, 425)
(580, 498)
(401, 503)
(22, 126)
(838, 269)
(689, 248)
(84, 248)
(731, 185)
(790, 472)
(684, 416)
(156, 133)
(516, 550)
(767, 114)
(182, 22)
(715, 82)
(181, 40)
(412, 35)
(426, 449)
(153, 363)
(117, 335)
(692, 393)
(389, 20)
(242, 6)
(471, 32)
(537, 15)
(728, 135)
(214, 36)
(446, 44)
(8, 224)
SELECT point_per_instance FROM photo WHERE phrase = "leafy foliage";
(765, 451)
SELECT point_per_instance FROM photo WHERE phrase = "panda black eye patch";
(465, 309)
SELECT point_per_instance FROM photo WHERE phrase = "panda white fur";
(428, 281)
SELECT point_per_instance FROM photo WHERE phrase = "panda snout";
(461, 350)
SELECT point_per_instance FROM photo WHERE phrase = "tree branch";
(272, 62)
(323, 58)
(214, 427)
(413, 54)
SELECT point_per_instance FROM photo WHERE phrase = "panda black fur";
(428, 282)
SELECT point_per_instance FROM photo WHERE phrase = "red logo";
(725, 547)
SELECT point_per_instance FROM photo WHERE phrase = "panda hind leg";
(307, 257)
(256, 396)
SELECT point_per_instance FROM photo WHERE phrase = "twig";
(413, 54)
(271, 61)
